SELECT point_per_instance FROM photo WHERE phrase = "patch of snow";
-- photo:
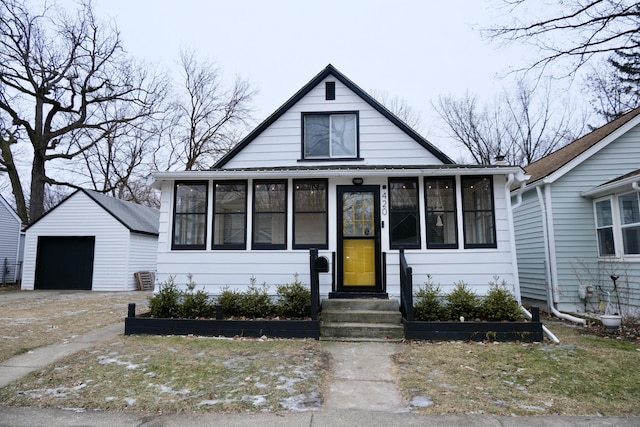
(421, 402)
(302, 402)
(130, 401)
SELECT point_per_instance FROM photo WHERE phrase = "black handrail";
(315, 284)
(406, 288)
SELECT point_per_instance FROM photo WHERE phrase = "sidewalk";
(358, 396)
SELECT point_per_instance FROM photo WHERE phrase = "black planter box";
(474, 331)
(225, 328)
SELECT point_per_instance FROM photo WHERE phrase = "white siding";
(381, 142)
(530, 248)
(81, 216)
(10, 226)
(142, 256)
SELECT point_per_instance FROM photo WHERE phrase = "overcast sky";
(413, 50)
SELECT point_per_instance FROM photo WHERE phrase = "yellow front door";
(359, 238)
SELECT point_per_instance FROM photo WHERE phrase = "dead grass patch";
(181, 374)
(584, 375)
(32, 319)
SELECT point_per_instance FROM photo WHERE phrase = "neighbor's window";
(630, 223)
(442, 228)
(270, 214)
(403, 213)
(327, 136)
(229, 215)
(604, 227)
(190, 215)
(309, 214)
(478, 213)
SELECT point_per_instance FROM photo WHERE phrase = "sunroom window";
(478, 212)
(310, 214)
(403, 213)
(442, 229)
(330, 136)
(190, 215)
(270, 214)
(229, 215)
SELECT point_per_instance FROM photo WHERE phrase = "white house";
(90, 241)
(579, 222)
(333, 169)
(11, 243)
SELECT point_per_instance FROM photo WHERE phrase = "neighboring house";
(11, 243)
(90, 241)
(333, 169)
(579, 221)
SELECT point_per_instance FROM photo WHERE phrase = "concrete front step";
(360, 304)
(381, 331)
(361, 316)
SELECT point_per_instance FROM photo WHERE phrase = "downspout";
(552, 289)
(635, 185)
(514, 258)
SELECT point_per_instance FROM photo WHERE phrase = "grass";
(178, 374)
(32, 319)
(584, 375)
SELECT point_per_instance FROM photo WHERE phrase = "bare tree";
(522, 125)
(400, 107)
(207, 118)
(56, 71)
(610, 96)
(576, 30)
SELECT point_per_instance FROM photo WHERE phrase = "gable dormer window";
(330, 135)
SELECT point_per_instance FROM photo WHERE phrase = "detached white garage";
(90, 241)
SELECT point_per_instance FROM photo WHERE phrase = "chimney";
(499, 160)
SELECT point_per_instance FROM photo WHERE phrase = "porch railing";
(315, 283)
(406, 288)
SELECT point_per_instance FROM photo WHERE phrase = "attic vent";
(330, 91)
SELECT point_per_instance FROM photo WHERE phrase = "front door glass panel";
(359, 244)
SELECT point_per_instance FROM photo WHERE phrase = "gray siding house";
(578, 223)
(90, 241)
(11, 243)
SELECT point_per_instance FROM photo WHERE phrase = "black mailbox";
(322, 264)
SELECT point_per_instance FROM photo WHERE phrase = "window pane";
(343, 135)
(357, 214)
(605, 241)
(631, 240)
(269, 219)
(629, 213)
(478, 215)
(441, 213)
(403, 216)
(603, 213)
(316, 136)
(230, 214)
(190, 214)
(310, 214)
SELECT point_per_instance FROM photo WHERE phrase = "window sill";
(332, 159)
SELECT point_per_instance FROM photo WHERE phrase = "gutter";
(552, 286)
(635, 185)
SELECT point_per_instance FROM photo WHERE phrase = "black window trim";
(179, 247)
(261, 246)
(326, 212)
(456, 243)
(418, 244)
(493, 245)
(330, 159)
(242, 246)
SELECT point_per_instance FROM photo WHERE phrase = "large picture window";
(478, 212)
(229, 215)
(190, 215)
(440, 197)
(270, 215)
(404, 228)
(309, 214)
(329, 136)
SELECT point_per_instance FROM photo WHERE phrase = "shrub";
(500, 304)
(294, 300)
(195, 304)
(256, 302)
(230, 300)
(428, 303)
(463, 302)
(164, 303)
